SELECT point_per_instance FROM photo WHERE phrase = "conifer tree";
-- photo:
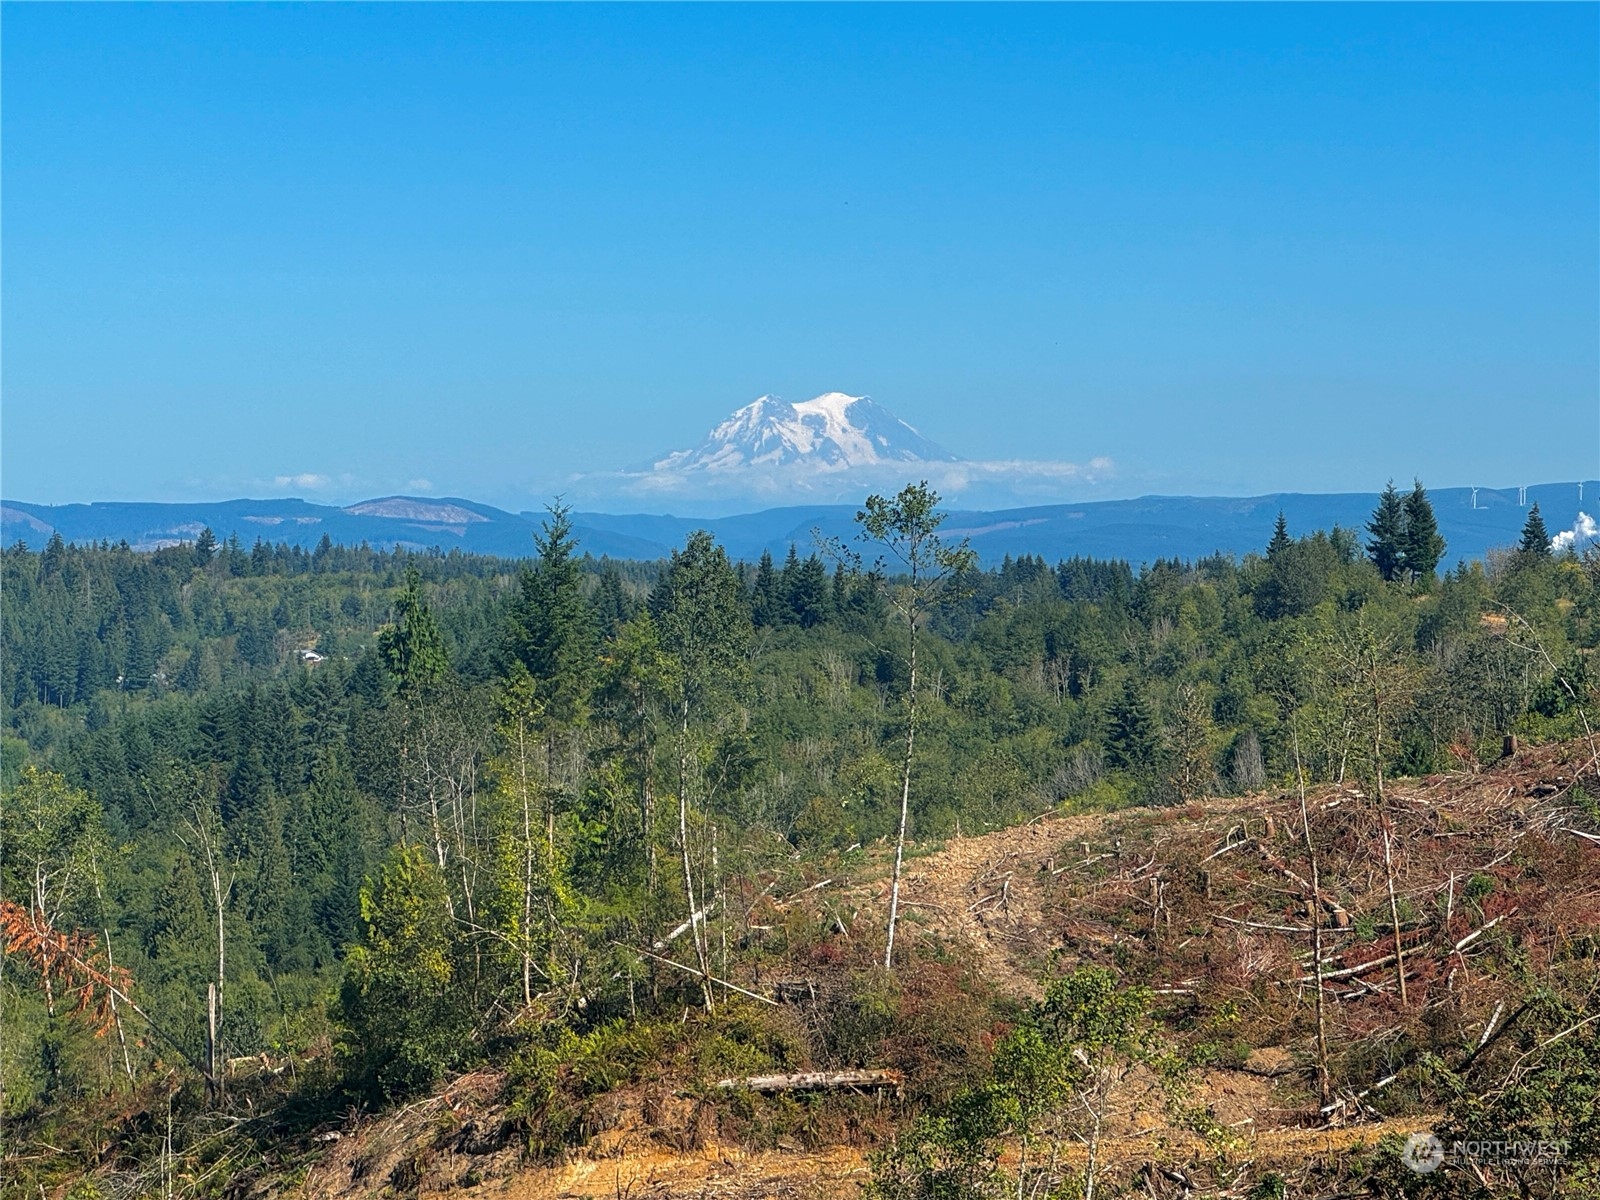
(552, 629)
(403, 1023)
(205, 547)
(807, 594)
(1134, 739)
(1423, 545)
(611, 604)
(786, 585)
(235, 557)
(1535, 537)
(764, 598)
(411, 646)
(413, 653)
(55, 554)
(1387, 549)
(1280, 537)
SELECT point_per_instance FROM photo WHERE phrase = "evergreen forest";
(313, 833)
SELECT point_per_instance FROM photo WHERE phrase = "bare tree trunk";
(215, 1079)
(111, 962)
(116, 1013)
(696, 933)
(647, 795)
(441, 856)
(527, 865)
(1097, 1111)
(1388, 846)
(405, 774)
(207, 828)
(1323, 1085)
(719, 901)
(166, 1154)
(905, 795)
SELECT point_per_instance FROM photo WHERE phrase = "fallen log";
(814, 1081)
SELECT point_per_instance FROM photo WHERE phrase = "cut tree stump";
(815, 1081)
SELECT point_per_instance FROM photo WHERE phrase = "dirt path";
(989, 891)
(839, 1172)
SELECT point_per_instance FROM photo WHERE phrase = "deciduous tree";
(907, 528)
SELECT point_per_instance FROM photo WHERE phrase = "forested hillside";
(375, 818)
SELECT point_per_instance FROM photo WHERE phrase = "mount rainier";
(832, 448)
(833, 432)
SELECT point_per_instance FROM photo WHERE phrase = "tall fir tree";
(205, 547)
(786, 585)
(412, 648)
(1423, 545)
(764, 606)
(1133, 741)
(1387, 549)
(612, 606)
(1280, 537)
(807, 596)
(1535, 537)
(552, 626)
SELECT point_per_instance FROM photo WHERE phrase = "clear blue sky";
(1232, 248)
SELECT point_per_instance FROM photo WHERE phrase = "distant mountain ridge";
(1139, 530)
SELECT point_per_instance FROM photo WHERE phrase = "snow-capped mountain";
(832, 449)
(829, 434)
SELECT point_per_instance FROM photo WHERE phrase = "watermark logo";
(1423, 1153)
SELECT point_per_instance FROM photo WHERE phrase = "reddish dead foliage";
(71, 962)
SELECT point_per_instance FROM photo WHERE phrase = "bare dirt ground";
(988, 892)
(1019, 896)
(833, 1174)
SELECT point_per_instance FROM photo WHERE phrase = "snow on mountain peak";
(832, 448)
(829, 433)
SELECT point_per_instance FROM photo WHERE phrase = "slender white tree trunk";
(696, 932)
(905, 797)
(527, 864)
(1388, 844)
(1323, 1090)
(111, 962)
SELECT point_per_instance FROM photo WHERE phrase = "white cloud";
(997, 483)
(309, 481)
(419, 485)
(1585, 531)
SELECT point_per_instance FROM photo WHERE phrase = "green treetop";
(552, 626)
(1535, 537)
(1388, 530)
(764, 596)
(1423, 545)
(1280, 537)
(411, 646)
(700, 610)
